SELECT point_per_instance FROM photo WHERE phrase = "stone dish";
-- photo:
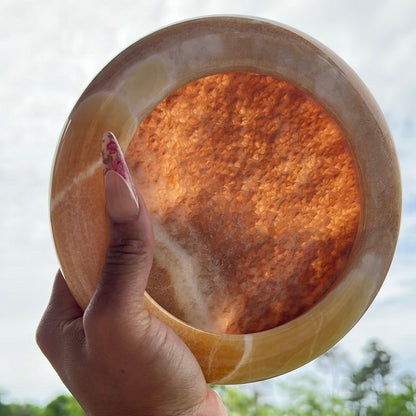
(272, 181)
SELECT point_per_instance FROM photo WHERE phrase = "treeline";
(370, 389)
(60, 406)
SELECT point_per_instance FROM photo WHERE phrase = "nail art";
(113, 158)
(121, 199)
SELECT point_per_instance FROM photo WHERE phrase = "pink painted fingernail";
(121, 200)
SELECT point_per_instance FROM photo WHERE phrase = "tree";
(14, 409)
(60, 406)
(402, 402)
(307, 396)
(239, 403)
(369, 382)
(372, 390)
(63, 406)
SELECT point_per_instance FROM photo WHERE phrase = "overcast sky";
(50, 50)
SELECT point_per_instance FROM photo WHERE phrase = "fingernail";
(121, 201)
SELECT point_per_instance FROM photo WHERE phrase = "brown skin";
(115, 357)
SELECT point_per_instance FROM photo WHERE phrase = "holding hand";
(115, 357)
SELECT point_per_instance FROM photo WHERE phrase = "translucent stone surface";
(255, 201)
(346, 173)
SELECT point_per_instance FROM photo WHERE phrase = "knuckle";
(52, 335)
(127, 251)
(43, 335)
(46, 330)
(97, 318)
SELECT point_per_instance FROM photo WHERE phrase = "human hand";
(115, 357)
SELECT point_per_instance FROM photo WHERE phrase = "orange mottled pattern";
(255, 180)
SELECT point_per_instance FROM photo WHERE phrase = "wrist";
(212, 405)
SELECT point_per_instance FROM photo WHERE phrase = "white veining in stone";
(182, 267)
(248, 346)
(318, 334)
(60, 196)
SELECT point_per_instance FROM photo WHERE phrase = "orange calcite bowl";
(271, 178)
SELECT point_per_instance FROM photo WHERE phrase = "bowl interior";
(255, 200)
(285, 181)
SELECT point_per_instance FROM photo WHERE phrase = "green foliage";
(368, 393)
(369, 382)
(20, 410)
(401, 403)
(63, 406)
(14, 409)
(60, 406)
(238, 403)
(306, 397)
(371, 391)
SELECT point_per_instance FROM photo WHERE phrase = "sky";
(50, 50)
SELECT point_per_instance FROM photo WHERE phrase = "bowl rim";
(315, 69)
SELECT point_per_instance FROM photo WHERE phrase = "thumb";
(129, 232)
